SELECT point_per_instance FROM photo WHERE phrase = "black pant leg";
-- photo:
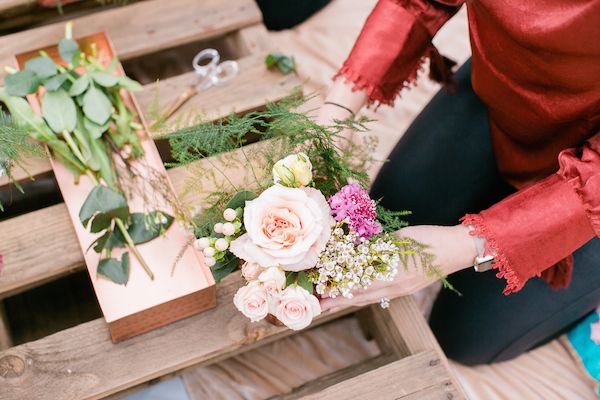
(484, 326)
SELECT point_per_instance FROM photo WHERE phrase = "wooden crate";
(40, 246)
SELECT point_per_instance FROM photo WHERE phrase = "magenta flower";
(353, 204)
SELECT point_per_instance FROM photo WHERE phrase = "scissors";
(209, 73)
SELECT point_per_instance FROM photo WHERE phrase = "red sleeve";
(539, 227)
(394, 42)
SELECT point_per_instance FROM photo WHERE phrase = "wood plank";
(143, 27)
(406, 378)
(251, 40)
(5, 336)
(402, 330)
(403, 327)
(16, 14)
(82, 362)
(336, 377)
(252, 88)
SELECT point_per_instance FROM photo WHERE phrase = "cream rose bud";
(252, 301)
(285, 227)
(296, 307)
(251, 271)
(273, 280)
(294, 170)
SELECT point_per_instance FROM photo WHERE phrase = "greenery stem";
(134, 249)
(73, 146)
(125, 234)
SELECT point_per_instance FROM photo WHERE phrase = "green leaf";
(284, 63)
(104, 79)
(94, 129)
(55, 82)
(103, 156)
(304, 282)
(22, 112)
(21, 83)
(129, 84)
(79, 86)
(59, 111)
(96, 105)
(290, 278)
(68, 48)
(105, 204)
(115, 270)
(146, 227)
(223, 268)
(42, 66)
(240, 198)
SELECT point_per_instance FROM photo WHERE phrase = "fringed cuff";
(392, 47)
(440, 70)
(514, 282)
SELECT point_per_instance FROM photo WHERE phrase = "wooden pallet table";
(40, 246)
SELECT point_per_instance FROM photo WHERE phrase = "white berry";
(209, 252)
(210, 261)
(202, 243)
(218, 227)
(221, 244)
(228, 229)
(229, 214)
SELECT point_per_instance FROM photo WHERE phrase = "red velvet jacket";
(536, 66)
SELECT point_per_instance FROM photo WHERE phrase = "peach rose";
(251, 271)
(285, 227)
(273, 280)
(296, 307)
(252, 301)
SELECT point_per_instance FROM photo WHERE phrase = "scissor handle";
(210, 58)
(227, 70)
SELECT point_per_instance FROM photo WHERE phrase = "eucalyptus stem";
(133, 248)
(73, 146)
(118, 222)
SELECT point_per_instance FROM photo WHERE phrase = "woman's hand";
(452, 246)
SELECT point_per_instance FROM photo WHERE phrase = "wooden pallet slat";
(418, 376)
(82, 362)
(143, 27)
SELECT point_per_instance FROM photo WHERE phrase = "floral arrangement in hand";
(296, 244)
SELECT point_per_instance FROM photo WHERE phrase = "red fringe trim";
(501, 263)
(440, 70)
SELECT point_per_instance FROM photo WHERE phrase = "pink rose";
(285, 227)
(273, 280)
(296, 308)
(251, 271)
(595, 332)
(252, 301)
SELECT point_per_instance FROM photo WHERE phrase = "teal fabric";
(588, 351)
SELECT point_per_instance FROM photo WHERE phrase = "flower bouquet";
(303, 226)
